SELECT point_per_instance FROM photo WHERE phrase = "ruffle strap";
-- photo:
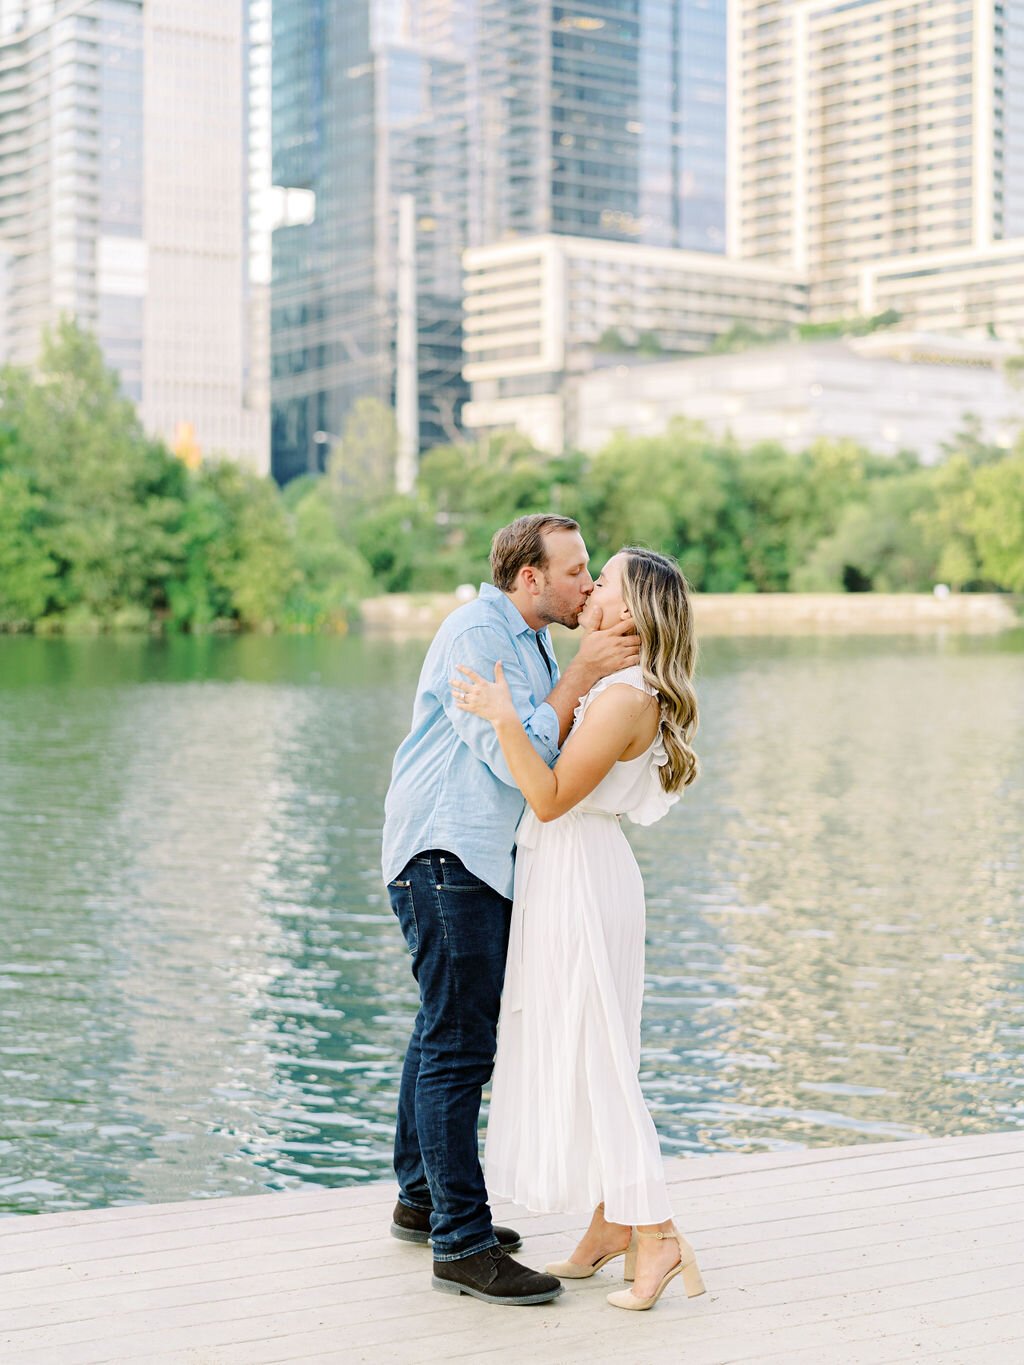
(657, 801)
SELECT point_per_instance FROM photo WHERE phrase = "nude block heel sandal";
(693, 1282)
(629, 1269)
(569, 1270)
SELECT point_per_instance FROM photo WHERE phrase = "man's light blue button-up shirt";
(450, 786)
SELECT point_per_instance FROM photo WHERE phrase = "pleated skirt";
(568, 1123)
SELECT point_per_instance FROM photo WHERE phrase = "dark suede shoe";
(413, 1225)
(494, 1277)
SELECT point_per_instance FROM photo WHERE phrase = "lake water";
(203, 991)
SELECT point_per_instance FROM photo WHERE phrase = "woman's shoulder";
(630, 677)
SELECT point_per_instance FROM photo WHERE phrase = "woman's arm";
(608, 729)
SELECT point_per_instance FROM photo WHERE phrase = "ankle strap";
(662, 1236)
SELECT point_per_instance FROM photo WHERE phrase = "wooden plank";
(980, 1339)
(684, 1326)
(919, 1335)
(739, 1229)
(754, 1263)
(407, 1265)
(197, 1264)
(83, 1242)
(874, 1191)
(214, 1324)
(210, 1303)
(679, 1170)
(835, 1252)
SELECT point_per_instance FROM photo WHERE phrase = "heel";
(693, 1281)
(445, 1286)
(629, 1269)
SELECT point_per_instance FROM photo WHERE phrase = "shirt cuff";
(545, 726)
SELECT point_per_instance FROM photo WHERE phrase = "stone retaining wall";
(758, 613)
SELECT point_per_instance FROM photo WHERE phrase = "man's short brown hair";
(521, 545)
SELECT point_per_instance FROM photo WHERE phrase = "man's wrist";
(581, 676)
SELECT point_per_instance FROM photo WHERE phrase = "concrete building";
(972, 290)
(864, 136)
(261, 207)
(542, 311)
(887, 391)
(123, 202)
(503, 119)
(875, 163)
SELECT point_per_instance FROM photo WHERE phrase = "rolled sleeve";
(543, 727)
(479, 648)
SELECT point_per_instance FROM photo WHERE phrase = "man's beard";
(558, 613)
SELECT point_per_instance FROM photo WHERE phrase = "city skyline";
(214, 190)
(502, 120)
(123, 203)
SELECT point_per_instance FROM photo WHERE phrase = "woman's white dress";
(568, 1124)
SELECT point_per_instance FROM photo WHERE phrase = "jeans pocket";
(400, 895)
(455, 876)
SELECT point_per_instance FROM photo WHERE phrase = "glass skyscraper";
(123, 203)
(606, 118)
(362, 114)
(595, 118)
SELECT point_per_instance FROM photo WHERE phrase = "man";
(450, 819)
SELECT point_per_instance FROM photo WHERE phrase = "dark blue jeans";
(456, 929)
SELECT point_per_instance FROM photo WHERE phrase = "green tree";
(334, 575)
(361, 466)
(612, 342)
(110, 499)
(775, 513)
(969, 443)
(240, 561)
(879, 544)
(649, 343)
(396, 537)
(27, 570)
(741, 336)
(665, 492)
(997, 521)
(947, 524)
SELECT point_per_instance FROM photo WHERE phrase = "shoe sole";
(410, 1235)
(422, 1239)
(450, 1287)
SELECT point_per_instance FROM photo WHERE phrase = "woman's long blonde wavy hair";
(658, 598)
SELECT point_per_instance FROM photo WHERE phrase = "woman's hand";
(491, 700)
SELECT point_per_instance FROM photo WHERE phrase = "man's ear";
(529, 579)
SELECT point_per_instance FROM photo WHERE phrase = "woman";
(568, 1124)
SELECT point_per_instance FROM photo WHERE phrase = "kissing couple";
(518, 896)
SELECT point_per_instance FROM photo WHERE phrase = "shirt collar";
(512, 614)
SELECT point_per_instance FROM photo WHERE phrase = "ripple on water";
(203, 991)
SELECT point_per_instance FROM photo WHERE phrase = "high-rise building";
(545, 314)
(123, 202)
(875, 166)
(874, 132)
(593, 118)
(605, 118)
(363, 113)
(261, 206)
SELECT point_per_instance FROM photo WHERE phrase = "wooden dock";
(910, 1251)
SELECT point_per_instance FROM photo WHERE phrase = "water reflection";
(202, 990)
